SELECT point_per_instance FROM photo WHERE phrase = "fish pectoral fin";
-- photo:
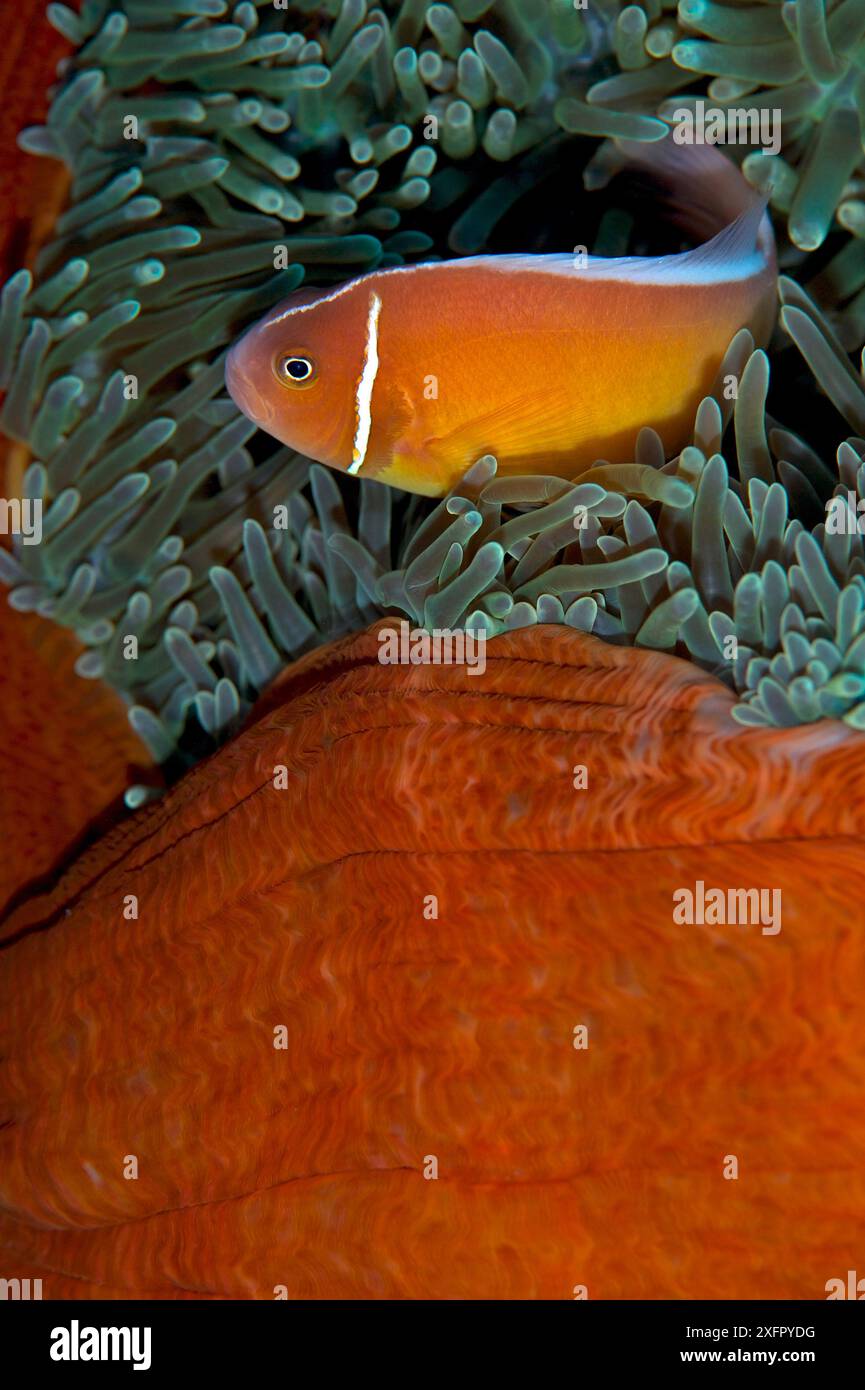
(523, 425)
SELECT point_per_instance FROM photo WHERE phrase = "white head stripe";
(363, 398)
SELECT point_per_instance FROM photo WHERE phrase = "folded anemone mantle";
(426, 910)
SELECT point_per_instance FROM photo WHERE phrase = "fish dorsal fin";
(733, 254)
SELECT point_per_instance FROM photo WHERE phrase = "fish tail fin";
(706, 192)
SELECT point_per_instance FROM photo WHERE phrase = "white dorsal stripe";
(305, 308)
(697, 267)
(363, 397)
(643, 270)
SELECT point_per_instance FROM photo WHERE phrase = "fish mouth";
(240, 383)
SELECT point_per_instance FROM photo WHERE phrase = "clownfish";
(548, 362)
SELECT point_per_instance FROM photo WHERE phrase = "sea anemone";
(206, 147)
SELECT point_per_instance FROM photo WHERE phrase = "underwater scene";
(432, 547)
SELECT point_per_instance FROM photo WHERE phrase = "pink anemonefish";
(550, 362)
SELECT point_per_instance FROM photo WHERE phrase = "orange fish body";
(549, 363)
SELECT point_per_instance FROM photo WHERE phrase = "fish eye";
(294, 370)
